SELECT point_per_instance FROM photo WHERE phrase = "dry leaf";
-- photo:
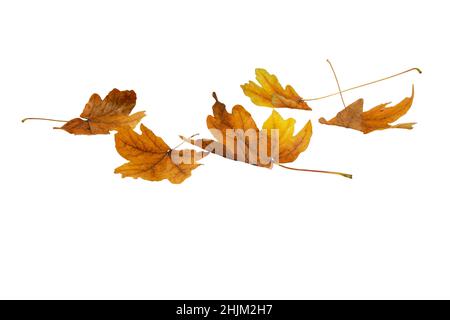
(150, 158)
(224, 125)
(271, 93)
(290, 145)
(238, 137)
(102, 116)
(377, 118)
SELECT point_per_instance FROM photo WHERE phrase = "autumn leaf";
(270, 93)
(150, 158)
(377, 118)
(238, 137)
(102, 116)
(239, 128)
(290, 145)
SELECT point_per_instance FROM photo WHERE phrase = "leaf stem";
(346, 175)
(45, 119)
(364, 84)
(337, 81)
(181, 143)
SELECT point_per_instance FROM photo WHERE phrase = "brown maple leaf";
(102, 116)
(377, 118)
(150, 158)
(270, 93)
(239, 138)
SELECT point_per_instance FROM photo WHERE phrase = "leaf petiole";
(181, 143)
(363, 85)
(337, 81)
(346, 175)
(45, 119)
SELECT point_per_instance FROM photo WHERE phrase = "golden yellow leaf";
(270, 93)
(150, 158)
(290, 145)
(102, 116)
(377, 118)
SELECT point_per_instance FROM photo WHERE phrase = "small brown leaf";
(377, 118)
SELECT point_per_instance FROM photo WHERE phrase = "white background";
(70, 228)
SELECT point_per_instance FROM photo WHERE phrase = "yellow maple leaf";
(270, 93)
(290, 145)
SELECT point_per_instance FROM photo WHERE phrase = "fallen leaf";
(150, 158)
(290, 145)
(102, 116)
(238, 137)
(377, 118)
(241, 131)
(270, 93)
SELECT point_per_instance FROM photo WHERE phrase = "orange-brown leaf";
(235, 132)
(239, 138)
(150, 158)
(102, 116)
(377, 118)
(270, 93)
